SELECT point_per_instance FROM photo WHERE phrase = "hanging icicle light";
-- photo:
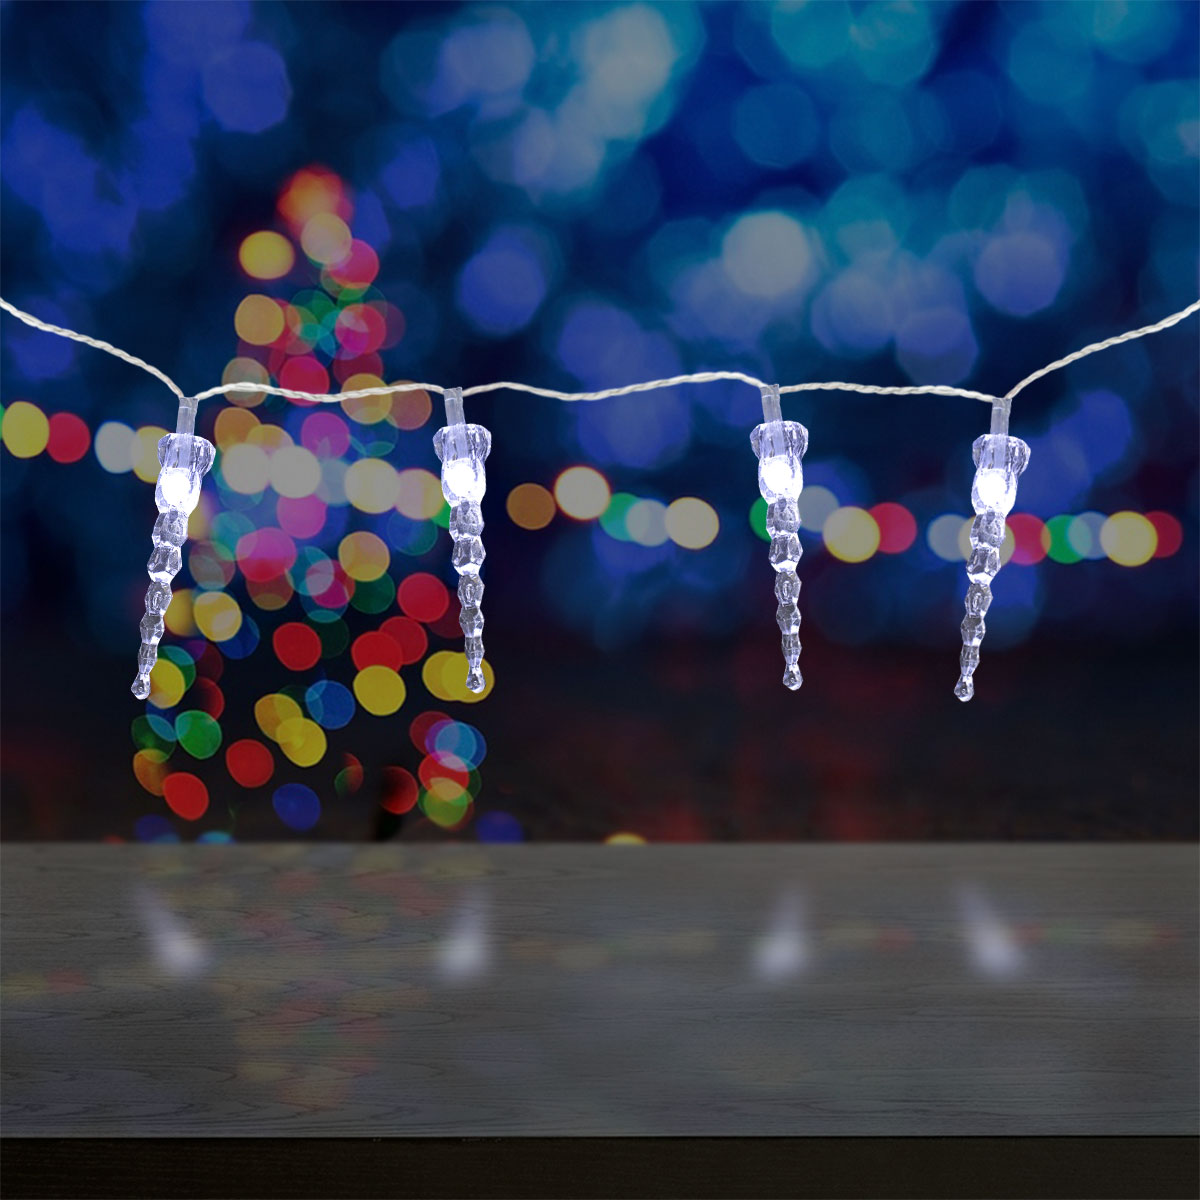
(462, 449)
(184, 460)
(999, 461)
(780, 446)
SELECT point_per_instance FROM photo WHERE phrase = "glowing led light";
(185, 459)
(780, 446)
(582, 493)
(462, 449)
(999, 461)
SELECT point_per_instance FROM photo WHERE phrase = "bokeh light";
(266, 255)
(582, 493)
(530, 506)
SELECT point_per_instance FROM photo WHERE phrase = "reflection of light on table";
(175, 948)
(783, 951)
(465, 953)
(993, 945)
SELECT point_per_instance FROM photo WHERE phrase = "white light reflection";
(993, 946)
(176, 950)
(465, 953)
(784, 950)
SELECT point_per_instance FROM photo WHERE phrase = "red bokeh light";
(297, 645)
(249, 763)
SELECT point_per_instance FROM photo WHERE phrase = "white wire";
(87, 341)
(1165, 323)
(629, 389)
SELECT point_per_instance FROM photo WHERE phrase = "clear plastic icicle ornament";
(462, 449)
(184, 459)
(780, 446)
(999, 461)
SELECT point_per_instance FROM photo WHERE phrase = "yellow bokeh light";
(1128, 539)
(851, 534)
(444, 674)
(364, 556)
(445, 788)
(691, 523)
(302, 740)
(167, 684)
(200, 522)
(326, 238)
(446, 811)
(418, 494)
(150, 769)
(217, 615)
(530, 506)
(26, 429)
(271, 711)
(366, 410)
(145, 452)
(245, 469)
(624, 839)
(258, 320)
(232, 427)
(380, 690)
(179, 617)
(245, 370)
(270, 438)
(582, 493)
(266, 255)
(294, 472)
(372, 485)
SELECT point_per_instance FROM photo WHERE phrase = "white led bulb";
(999, 461)
(184, 459)
(462, 449)
(780, 446)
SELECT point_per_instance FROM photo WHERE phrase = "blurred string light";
(374, 486)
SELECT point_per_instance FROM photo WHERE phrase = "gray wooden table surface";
(543, 990)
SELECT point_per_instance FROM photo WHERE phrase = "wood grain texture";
(586, 990)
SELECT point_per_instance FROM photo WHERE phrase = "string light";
(780, 446)
(999, 461)
(184, 460)
(462, 448)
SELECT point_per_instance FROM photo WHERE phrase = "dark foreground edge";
(1095, 1168)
